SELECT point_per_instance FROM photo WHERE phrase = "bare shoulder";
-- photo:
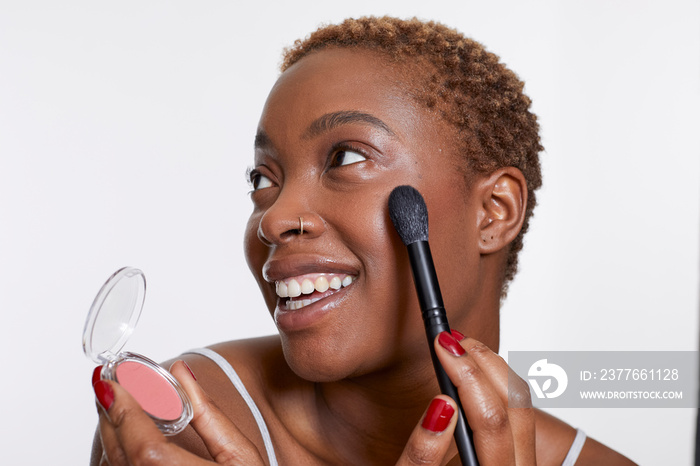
(554, 438)
(253, 360)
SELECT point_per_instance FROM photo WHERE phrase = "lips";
(303, 285)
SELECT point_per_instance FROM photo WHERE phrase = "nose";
(288, 219)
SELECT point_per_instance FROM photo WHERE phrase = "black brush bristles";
(409, 214)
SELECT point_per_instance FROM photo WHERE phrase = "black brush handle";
(435, 320)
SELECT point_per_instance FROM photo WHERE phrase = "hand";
(502, 434)
(129, 436)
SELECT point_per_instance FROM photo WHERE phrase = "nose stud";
(301, 225)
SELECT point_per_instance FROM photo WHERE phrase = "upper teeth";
(306, 285)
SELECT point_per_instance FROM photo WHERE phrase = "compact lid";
(114, 314)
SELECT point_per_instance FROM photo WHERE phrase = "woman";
(359, 109)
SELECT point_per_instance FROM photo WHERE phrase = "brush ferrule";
(424, 275)
(435, 322)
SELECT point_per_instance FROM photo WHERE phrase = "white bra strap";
(575, 449)
(236, 381)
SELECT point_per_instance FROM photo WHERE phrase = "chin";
(315, 370)
(317, 362)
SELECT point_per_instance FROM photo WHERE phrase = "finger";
(431, 439)
(513, 392)
(493, 365)
(125, 425)
(112, 451)
(96, 374)
(486, 413)
(224, 441)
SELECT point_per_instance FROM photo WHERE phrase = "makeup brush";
(409, 215)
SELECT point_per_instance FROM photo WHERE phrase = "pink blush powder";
(153, 392)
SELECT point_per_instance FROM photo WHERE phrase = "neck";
(370, 418)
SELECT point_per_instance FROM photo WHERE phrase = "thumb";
(128, 435)
(224, 441)
(430, 440)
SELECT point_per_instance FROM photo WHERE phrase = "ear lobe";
(504, 198)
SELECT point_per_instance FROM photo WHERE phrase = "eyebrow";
(262, 140)
(328, 122)
(332, 120)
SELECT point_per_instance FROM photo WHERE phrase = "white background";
(126, 128)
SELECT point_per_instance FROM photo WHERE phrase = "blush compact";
(110, 322)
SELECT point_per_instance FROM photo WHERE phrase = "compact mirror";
(114, 314)
(111, 321)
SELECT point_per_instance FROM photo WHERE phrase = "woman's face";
(337, 133)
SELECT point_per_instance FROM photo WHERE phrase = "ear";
(503, 197)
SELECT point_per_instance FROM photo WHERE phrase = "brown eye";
(259, 181)
(346, 157)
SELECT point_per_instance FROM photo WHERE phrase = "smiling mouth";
(307, 289)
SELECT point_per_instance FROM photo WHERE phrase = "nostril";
(279, 224)
(274, 229)
(289, 234)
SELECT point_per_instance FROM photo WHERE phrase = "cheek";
(453, 242)
(365, 228)
(389, 298)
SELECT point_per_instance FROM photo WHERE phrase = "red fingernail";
(188, 368)
(448, 342)
(438, 416)
(457, 334)
(104, 394)
(96, 374)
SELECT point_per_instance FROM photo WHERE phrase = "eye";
(346, 157)
(258, 181)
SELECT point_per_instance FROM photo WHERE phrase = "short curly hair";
(466, 84)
